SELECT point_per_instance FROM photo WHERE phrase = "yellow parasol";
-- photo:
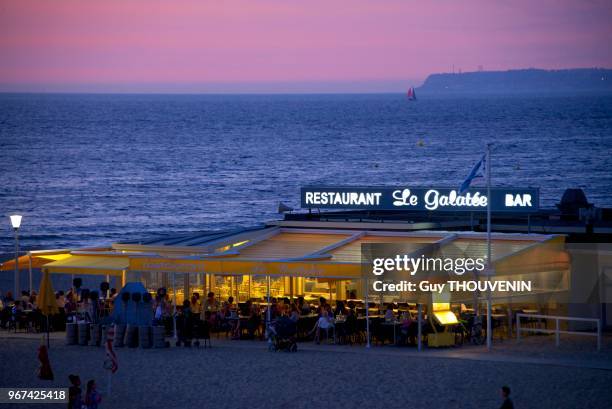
(46, 299)
(46, 296)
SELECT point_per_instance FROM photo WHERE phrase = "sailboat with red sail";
(411, 94)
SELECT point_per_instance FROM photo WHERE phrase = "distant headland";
(579, 80)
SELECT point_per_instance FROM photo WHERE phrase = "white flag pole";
(268, 311)
(367, 307)
(489, 263)
(175, 336)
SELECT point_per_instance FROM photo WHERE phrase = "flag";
(111, 359)
(477, 172)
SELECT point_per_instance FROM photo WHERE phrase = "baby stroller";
(282, 335)
(476, 332)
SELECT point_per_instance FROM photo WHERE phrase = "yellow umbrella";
(46, 296)
(46, 299)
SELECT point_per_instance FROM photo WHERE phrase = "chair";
(251, 327)
(362, 330)
(12, 323)
(202, 331)
(351, 330)
(185, 328)
(327, 332)
(376, 332)
(408, 335)
(19, 320)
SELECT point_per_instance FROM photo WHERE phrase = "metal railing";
(558, 331)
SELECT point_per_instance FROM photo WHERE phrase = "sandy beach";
(236, 374)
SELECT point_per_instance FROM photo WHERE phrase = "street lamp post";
(16, 223)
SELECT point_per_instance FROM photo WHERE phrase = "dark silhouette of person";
(507, 403)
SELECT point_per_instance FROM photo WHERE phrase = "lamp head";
(15, 221)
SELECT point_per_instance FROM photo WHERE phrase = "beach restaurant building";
(318, 253)
(300, 261)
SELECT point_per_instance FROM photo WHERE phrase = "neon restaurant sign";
(525, 200)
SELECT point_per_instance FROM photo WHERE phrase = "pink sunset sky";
(284, 45)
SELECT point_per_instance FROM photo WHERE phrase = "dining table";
(395, 324)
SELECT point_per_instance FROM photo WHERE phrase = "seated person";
(329, 311)
(196, 305)
(253, 321)
(324, 323)
(211, 305)
(275, 309)
(229, 316)
(185, 323)
(228, 307)
(351, 321)
(295, 314)
(322, 305)
(159, 309)
(17, 312)
(8, 298)
(389, 316)
(303, 306)
(70, 305)
(408, 329)
(340, 308)
(5, 314)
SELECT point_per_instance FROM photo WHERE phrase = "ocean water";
(93, 169)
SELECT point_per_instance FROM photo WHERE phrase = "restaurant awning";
(38, 260)
(96, 265)
(230, 266)
(323, 254)
(337, 254)
(318, 268)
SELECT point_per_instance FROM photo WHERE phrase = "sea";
(87, 170)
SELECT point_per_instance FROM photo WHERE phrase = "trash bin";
(159, 336)
(119, 335)
(131, 338)
(144, 336)
(71, 333)
(83, 331)
(95, 334)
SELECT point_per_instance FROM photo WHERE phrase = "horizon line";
(315, 87)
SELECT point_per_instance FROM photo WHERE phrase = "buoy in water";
(420, 142)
